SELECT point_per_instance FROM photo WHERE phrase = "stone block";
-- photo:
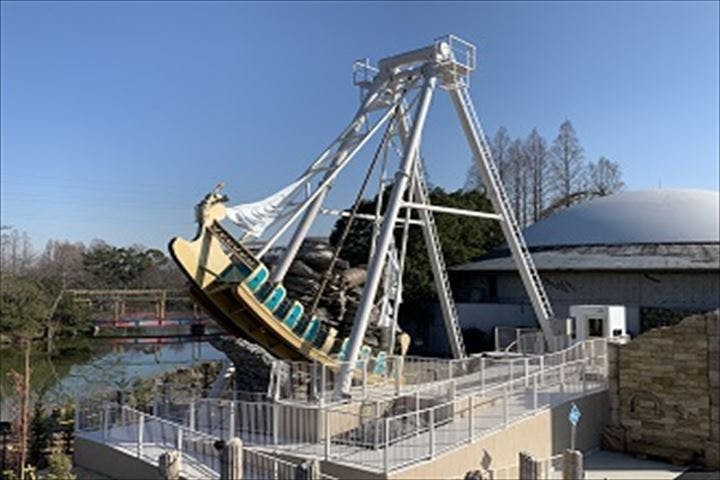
(713, 363)
(712, 455)
(713, 348)
(714, 379)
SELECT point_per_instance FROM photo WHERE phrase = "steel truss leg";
(496, 192)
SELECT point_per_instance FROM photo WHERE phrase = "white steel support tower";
(398, 94)
(449, 61)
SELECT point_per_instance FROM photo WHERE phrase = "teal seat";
(311, 330)
(257, 278)
(275, 297)
(364, 355)
(343, 350)
(293, 315)
(234, 273)
(380, 366)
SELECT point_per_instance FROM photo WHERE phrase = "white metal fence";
(381, 432)
(146, 437)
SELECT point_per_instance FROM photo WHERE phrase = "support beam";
(325, 183)
(364, 216)
(453, 211)
(375, 268)
(280, 270)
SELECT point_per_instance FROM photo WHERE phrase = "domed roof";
(649, 216)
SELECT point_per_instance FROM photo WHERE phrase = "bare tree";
(537, 160)
(517, 183)
(567, 165)
(499, 150)
(605, 177)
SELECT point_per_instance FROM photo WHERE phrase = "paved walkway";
(618, 466)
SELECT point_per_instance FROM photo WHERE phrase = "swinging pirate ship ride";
(248, 299)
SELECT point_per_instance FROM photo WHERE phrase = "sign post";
(574, 418)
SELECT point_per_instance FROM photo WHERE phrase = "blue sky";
(118, 117)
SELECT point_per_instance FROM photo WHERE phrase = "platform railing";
(146, 436)
(382, 432)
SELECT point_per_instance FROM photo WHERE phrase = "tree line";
(541, 178)
(33, 307)
(31, 297)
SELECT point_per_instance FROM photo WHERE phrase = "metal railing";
(383, 431)
(146, 436)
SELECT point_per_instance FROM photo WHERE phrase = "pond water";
(85, 365)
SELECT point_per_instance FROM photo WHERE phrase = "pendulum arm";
(375, 268)
(303, 227)
(326, 182)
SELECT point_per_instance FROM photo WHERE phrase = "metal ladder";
(238, 253)
(508, 217)
(437, 261)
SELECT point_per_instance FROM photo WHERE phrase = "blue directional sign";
(574, 415)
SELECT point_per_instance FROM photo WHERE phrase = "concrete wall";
(664, 389)
(680, 291)
(110, 462)
(542, 435)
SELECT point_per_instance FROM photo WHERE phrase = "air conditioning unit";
(592, 321)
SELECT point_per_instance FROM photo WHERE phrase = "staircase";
(439, 268)
(536, 291)
(237, 252)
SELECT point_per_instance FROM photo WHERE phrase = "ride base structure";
(247, 298)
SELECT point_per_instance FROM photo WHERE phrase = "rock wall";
(664, 389)
(341, 296)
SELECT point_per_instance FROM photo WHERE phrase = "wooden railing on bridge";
(119, 298)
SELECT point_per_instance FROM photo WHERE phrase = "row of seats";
(310, 329)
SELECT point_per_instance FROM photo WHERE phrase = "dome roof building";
(656, 252)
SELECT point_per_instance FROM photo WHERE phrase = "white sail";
(255, 217)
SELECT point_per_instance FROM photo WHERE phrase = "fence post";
(417, 410)
(327, 433)
(506, 407)
(572, 465)
(231, 460)
(314, 380)
(170, 465)
(179, 439)
(431, 431)
(450, 370)
(308, 470)
(526, 366)
(140, 433)
(510, 370)
(106, 421)
(232, 427)
(364, 378)
(529, 468)
(562, 378)
(535, 392)
(275, 420)
(399, 364)
(323, 380)
(542, 368)
(386, 450)
(191, 419)
(471, 419)
(582, 377)
(482, 375)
